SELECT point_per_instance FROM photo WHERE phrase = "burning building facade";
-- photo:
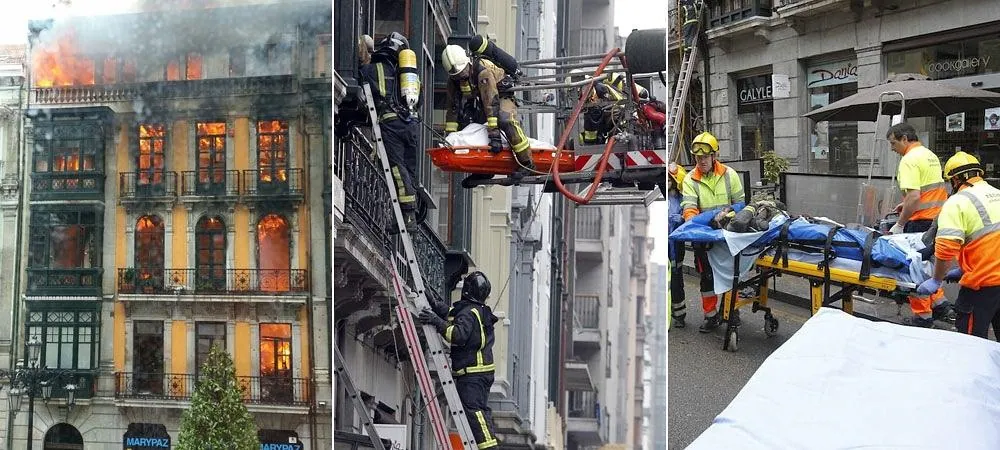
(177, 194)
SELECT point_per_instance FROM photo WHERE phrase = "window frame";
(153, 175)
(42, 219)
(212, 266)
(273, 169)
(38, 324)
(199, 359)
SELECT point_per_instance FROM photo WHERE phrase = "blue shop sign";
(284, 446)
(146, 436)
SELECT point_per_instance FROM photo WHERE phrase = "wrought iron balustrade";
(272, 182)
(210, 183)
(586, 309)
(82, 281)
(260, 390)
(366, 196)
(727, 12)
(51, 185)
(123, 92)
(212, 281)
(151, 184)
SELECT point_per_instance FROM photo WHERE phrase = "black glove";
(495, 145)
(427, 317)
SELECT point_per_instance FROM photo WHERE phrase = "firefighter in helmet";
(400, 130)
(471, 334)
(712, 185)
(479, 91)
(599, 110)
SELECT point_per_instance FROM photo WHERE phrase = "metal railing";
(593, 41)
(262, 390)
(64, 281)
(588, 223)
(725, 12)
(586, 309)
(366, 197)
(584, 405)
(122, 92)
(58, 184)
(212, 281)
(277, 182)
(210, 183)
(138, 185)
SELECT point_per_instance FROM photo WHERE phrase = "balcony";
(732, 20)
(277, 185)
(171, 390)
(64, 282)
(788, 9)
(264, 284)
(586, 323)
(593, 41)
(578, 376)
(589, 233)
(147, 187)
(216, 184)
(67, 185)
(583, 425)
(128, 92)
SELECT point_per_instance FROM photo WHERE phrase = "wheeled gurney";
(829, 256)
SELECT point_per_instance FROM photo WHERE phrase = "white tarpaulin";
(476, 135)
(843, 382)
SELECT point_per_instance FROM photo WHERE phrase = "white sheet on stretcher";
(843, 382)
(721, 255)
(475, 134)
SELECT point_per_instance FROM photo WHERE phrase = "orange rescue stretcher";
(479, 159)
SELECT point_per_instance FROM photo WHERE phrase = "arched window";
(274, 259)
(210, 254)
(149, 253)
(63, 436)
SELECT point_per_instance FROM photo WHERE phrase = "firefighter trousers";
(978, 309)
(709, 301)
(597, 125)
(401, 141)
(508, 123)
(474, 390)
(678, 303)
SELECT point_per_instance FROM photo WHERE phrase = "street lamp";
(28, 378)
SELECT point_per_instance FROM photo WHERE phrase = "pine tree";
(217, 419)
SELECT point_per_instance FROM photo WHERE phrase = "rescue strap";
(866, 256)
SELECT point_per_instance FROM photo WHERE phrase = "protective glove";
(896, 229)
(495, 145)
(953, 275)
(428, 317)
(928, 287)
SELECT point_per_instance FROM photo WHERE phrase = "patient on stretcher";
(470, 153)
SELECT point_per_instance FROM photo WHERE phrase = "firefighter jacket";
(969, 227)
(381, 76)
(920, 169)
(703, 192)
(482, 83)
(470, 333)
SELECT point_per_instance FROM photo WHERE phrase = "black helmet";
(393, 42)
(476, 287)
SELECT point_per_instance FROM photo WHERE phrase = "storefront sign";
(135, 443)
(269, 446)
(755, 89)
(781, 86)
(831, 74)
(146, 436)
(973, 64)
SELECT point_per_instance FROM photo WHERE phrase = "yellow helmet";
(961, 163)
(703, 140)
(677, 173)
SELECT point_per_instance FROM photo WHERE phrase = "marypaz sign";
(291, 446)
(143, 443)
(840, 72)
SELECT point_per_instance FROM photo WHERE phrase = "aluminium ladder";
(352, 391)
(681, 90)
(417, 302)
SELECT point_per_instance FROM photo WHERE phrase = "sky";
(631, 14)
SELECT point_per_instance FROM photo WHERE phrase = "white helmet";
(454, 59)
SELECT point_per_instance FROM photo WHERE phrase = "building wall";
(657, 339)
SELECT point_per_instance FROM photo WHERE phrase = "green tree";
(217, 419)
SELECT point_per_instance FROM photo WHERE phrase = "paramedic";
(478, 79)
(471, 336)
(919, 177)
(711, 185)
(400, 131)
(675, 250)
(968, 229)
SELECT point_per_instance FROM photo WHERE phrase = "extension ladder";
(352, 391)
(681, 91)
(416, 301)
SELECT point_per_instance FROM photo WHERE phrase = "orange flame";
(58, 64)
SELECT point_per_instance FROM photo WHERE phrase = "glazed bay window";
(64, 253)
(67, 160)
(70, 340)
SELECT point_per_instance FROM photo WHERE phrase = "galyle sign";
(755, 89)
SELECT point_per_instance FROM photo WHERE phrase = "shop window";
(69, 338)
(274, 253)
(210, 254)
(756, 116)
(276, 362)
(147, 357)
(833, 145)
(207, 335)
(211, 142)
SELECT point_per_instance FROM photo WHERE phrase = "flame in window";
(58, 63)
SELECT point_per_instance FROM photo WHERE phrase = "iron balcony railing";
(83, 281)
(586, 309)
(212, 281)
(124, 92)
(584, 405)
(593, 41)
(210, 183)
(151, 184)
(725, 12)
(588, 223)
(272, 182)
(45, 185)
(262, 390)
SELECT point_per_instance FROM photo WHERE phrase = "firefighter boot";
(711, 323)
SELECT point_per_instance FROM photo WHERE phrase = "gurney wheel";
(770, 325)
(734, 339)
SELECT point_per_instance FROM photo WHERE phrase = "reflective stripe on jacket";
(920, 169)
(972, 217)
(471, 337)
(723, 187)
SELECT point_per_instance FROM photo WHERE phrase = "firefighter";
(675, 251)
(471, 337)
(967, 229)
(366, 46)
(691, 10)
(598, 120)
(400, 130)
(919, 177)
(710, 186)
(477, 90)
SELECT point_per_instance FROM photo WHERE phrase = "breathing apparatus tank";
(481, 46)
(409, 81)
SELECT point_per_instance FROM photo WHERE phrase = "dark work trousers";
(709, 301)
(977, 310)
(474, 389)
(917, 226)
(678, 303)
(401, 141)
